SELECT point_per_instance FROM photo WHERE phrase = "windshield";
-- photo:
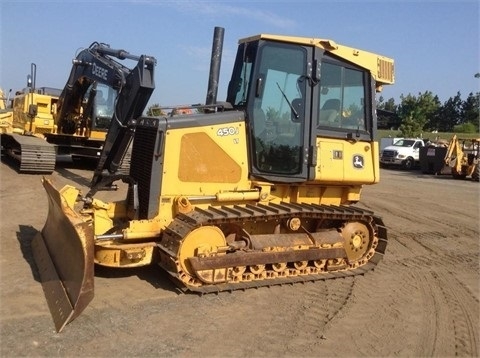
(404, 143)
(104, 106)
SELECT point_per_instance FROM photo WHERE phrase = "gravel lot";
(421, 300)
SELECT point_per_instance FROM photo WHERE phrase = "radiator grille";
(145, 165)
(389, 154)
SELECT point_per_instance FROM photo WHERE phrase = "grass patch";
(385, 133)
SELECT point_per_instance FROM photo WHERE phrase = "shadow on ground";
(152, 274)
(25, 235)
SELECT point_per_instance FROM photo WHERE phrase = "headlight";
(401, 156)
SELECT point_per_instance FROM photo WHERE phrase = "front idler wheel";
(357, 240)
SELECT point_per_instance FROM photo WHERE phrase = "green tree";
(466, 128)
(449, 115)
(471, 110)
(389, 105)
(416, 112)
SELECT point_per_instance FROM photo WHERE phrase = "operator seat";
(329, 112)
(100, 98)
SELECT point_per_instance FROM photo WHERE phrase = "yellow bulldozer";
(255, 191)
(463, 157)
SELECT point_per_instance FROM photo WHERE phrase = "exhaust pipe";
(215, 62)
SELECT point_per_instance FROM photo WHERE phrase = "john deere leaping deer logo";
(358, 161)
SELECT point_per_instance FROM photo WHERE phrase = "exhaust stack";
(215, 62)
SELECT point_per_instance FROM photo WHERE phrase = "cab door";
(278, 112)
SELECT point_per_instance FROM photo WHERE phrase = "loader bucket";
(63, 252)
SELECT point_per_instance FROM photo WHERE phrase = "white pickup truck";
(404, 152)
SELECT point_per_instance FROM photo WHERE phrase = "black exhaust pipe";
(215, 62)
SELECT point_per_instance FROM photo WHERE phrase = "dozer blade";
(63, 252)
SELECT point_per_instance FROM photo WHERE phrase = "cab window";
(342, 97)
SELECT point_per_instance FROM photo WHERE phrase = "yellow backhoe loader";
(255, 191)
(463, 157)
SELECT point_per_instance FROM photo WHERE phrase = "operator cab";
(103, 106)
(292, 94)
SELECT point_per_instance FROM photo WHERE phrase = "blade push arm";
(132, 100)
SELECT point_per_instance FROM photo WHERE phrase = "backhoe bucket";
(63, 252)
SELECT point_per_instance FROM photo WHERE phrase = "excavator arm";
(134, 86)
(132, 99)
(90, 66)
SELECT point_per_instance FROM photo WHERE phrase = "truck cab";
(405, 152)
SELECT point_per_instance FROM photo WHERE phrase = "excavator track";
(34, 154)
(353, 245)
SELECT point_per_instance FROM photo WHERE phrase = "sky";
(435, 44)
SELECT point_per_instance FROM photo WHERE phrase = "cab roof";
(381, 67)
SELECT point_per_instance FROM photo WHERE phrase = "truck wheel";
(457, 175)
(476, 173)
(408, 163)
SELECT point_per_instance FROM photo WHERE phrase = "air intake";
(147, 163)
(385, 71)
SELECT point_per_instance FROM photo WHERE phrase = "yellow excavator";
(463, 157)
(32, 116)
(6, 113)
(72, 123)
(258, 190)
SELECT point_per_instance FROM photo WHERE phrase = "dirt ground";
(421, 300)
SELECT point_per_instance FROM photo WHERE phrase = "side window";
(239, 84)
(342, 95)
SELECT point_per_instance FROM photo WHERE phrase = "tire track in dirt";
(318, 304)
(398, 216)
(464, 314)
(421, 294)
(377, 323)
(268, 321)
(449, 273)
(306, 309)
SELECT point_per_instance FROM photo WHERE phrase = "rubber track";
(184, 223)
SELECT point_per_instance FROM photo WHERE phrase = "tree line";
(425, 113)
(418, 114)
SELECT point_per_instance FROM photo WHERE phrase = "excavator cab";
(103, 106)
